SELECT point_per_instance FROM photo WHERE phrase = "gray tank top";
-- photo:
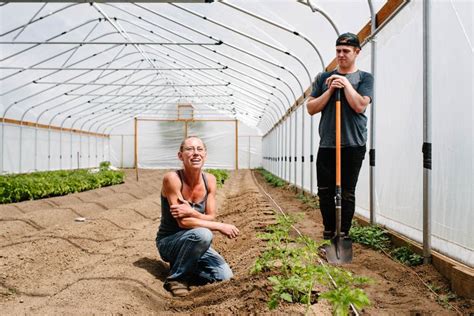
(168, 224)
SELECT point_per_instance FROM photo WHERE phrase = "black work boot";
(328, 234)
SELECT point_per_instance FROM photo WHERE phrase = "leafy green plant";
(220, 174)
(434, 287)
(104, 165)
(445, 299)
(38, 185)
(406, 256)
(372, 236)
(295, 262)
(312, 201)
(271, 178)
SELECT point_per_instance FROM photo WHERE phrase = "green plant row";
(220, 174)
(38, 185)
(294, 263)
(308, 199)
(270, 178)
(377, 238)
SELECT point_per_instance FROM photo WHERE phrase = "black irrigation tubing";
(301, 235)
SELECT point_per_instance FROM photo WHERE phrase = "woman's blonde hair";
(181, 147)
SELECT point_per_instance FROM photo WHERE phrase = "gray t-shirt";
(354, 125)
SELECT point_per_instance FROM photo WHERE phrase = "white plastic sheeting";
(400, 134)
(399, 128)
(254, 75)
(43, 149)
(229, 63)
(159, 141)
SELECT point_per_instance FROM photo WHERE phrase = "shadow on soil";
(157, 268)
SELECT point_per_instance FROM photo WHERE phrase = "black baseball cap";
(349, 39)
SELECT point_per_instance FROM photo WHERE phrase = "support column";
(426, 131)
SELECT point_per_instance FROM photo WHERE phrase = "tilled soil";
(52, 264)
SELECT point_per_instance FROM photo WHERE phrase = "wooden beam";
(236, 145)
(382, 16)
(181, 120)
(136, 148)
(51, 127)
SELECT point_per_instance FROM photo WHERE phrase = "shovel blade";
(339, 251)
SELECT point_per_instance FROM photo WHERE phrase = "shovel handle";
(338, 137)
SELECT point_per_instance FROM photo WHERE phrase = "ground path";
(52, 264)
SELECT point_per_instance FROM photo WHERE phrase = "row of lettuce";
(44, 184)
(38, 185)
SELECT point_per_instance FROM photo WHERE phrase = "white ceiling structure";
(93, 66)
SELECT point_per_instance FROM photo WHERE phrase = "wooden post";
(121, 153)
(236, 145)
(136, 148)
(249, 155)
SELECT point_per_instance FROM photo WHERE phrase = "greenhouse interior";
(109, 108)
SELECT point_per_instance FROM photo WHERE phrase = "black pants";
(351, 162)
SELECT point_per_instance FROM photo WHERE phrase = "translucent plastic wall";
(250, 152)
(399, 129)
(28, 149)
(159, 141)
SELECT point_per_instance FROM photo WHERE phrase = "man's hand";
(181, 210)
(229, 230)
(337, 82)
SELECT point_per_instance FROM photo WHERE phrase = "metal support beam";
(83, 43)
(373, 108)
(427, 85)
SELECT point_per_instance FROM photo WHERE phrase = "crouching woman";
(188, 213)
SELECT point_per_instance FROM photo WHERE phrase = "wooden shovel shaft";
(338, 140)
(338, 163)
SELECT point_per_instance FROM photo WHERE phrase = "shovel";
(340, 249)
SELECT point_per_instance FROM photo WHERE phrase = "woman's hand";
(229, 230)
(181, 210)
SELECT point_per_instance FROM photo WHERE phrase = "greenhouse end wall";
(159, 142)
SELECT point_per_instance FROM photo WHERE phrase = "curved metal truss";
(98, 67)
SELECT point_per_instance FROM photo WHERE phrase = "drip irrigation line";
(383, 251)
(421, 280)
(301, 235)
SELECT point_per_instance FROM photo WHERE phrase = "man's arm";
(316, 105)
(356, 101)
(318, 99)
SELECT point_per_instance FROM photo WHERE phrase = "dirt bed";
(52, 264)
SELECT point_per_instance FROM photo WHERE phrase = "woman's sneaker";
(177, 288)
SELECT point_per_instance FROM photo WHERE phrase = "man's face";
(194, 153)
(346, 55)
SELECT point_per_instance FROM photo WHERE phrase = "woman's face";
(193, 154)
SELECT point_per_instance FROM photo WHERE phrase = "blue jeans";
(191, 257)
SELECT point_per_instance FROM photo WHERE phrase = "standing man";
(188, 217)
(356, 94)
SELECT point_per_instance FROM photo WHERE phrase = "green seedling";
(272, 179)
(220, 174)
(38, 185)
(309, 200)
(296, 267)
(372, 236)
(445, 299)
(406, 256)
